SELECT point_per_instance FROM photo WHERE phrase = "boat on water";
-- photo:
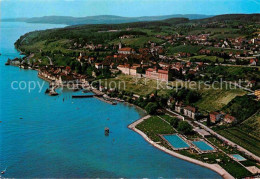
(3, 172)
(106, 131)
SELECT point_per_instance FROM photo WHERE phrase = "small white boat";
(3, 172)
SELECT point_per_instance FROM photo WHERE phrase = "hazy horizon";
(126, 8)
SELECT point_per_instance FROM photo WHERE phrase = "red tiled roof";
(214, 113)
(230, 117)
(163, 71)
(190, 108)
(150, 69)
(126, 49)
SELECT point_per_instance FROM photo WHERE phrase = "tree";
(184, 127)
(151, 107)
(208, 122)
(174, 122)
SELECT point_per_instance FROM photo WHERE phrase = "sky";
(127, 8)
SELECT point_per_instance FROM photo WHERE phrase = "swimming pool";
(176, 141)
(202, 145)
(238, 157)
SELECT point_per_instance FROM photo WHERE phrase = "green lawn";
(252, 125)
(212, 99)
(140, 86)
(206, 58)
(215, 99)
(154, 126)
(138, 41)
(224, 50)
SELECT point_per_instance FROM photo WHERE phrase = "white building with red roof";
(126, 51)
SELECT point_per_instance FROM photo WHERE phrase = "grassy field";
(242, 138)
(137, 42)
(183, 48)
(252, 125)
(206, 58)
(215, 99)
(140, 86)
(224, 50)
(212, 31)
(212, 99)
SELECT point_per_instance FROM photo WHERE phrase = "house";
(127, 69)
(164, 65)
(103, 65)
(253, 62)
(126, 51)
(163, 75)
(178, 107)
(98, 66)
(155, 74)
(151, 73)
(113, 66)
(170, 101)
(215, 117)
(133, 70)
(190, 111)
(229, 119)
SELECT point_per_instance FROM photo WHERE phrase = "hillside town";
(197, 82)
(151, 62)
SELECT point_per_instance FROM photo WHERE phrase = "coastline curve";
(214, 167)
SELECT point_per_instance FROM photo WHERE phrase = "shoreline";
(214, 167)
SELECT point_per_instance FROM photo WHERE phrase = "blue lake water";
(202, 145)
(176, 141)
(42, 136)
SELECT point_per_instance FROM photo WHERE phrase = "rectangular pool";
(176, 141)
(203, 146)
(238, 157)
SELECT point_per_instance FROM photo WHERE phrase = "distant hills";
(102, 19)
(231, 17)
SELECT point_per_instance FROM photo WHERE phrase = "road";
(51, 63)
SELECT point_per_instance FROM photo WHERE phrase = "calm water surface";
(42, 136)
